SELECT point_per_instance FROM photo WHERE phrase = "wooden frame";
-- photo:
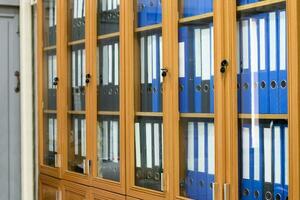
(50, 183)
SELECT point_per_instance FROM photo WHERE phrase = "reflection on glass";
(108, 146)
(77, 22)
(196, 74)
(77, 144)
(197, 155)
(109, 76)
(51, 80)
(262, 77)
(50, 21)
(108, 16)
(195, 7)
(150, 44)
(149, 153)
(149, 12)
(50, 139)
(78, 77)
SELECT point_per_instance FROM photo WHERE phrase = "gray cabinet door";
(10, 159)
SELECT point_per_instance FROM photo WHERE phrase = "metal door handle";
(17, 75)
(88, 78)
(224, 65)
(164, 72)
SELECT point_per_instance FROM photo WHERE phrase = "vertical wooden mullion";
(293, 34)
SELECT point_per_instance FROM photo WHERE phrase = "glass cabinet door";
(262, 96)
(50, 83)
(77, 82)
(196, 100)
(108, 91)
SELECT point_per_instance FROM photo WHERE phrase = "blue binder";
(156, 96)
(286, 161)
(198, 71)
(268, 157)
(142, 13)
(242, 2)
(208, 6)
(246, 183)
(159, 12)
(151, 9)
(194, 7)
(283, 104)
(264, 82)
(186, 76)
(212, 80)
(245, 70)
(278, 161)
(239, 64)
(210, 159)
(273, 63)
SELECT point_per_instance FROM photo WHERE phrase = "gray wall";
(9, 2)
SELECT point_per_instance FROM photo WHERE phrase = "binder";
(156, 103)
(273, 62)
(193, 7)
(245, 70)
(268, 170)
(151, 9)
(212, 71)
(75, 81)
(286, 161)
(254, 101)
(103, 100)
(81, 19)
(264, 107)
(239, 64)
(75, 22)
(143, 89)
(83, 74)
(76, 136)
(116, 93)
(198, 71)
(283, 103)
(210, 159)
(242, 2)
(157, 149)
(51, 87)
(55, 135)
(208, 6)
(115, 168)
(142, 13)
(110, 96)
(51, 135)
(191, 185)
(278, 162)
(246, 182)
(149, 72)
(201, 178)
(206, 67)
(186, 71)
(159, 12)
(83, 138)
(138, 153)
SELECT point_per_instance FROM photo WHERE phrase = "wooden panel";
(131, 198)
(105, 195)
(49, 188)
(73, 191)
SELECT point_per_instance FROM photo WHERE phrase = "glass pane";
(262, 97)
(190, 8)
(150, 65)
(149, 12)
(108, 16)
(77, 76)
(149, 152)
(109, 76)
(50, 139)
(50, 80)
(77, 19)
(77, 144)
(108, 145)
(50, 21)
(197, 169)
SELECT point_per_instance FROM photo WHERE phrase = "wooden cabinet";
(168, 99)
(49, 188)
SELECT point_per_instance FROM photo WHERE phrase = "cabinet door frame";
(51, 182)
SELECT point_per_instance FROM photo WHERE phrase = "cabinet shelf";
(148, 28)
(149, 114)
(75, 112)
(108, 36)
(109, 113)
(260, 4)
(196, 18)
(49, 48)
(72, 43)
(263, 116)
(50, 111)
(197, 115)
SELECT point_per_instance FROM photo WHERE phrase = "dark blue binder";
(242, 2)
(142, 13)
(198, 71)
(278, 161)
(186, 72)
(283, 104)
(144, 77)
(239, 64)
(156, 89)
(210, 159)
(159, 12)
(193, 7)
(286, 161)
(151, 9)
(212, 79)
(273, 64)
(208, 6)
(246, 68)
(264, 82)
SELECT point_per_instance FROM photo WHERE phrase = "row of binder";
(243, 2)
(52, 74)
(149, 154)
(109, 76)
(78, 78)
(151, 79)
(108, 149)
(78, 20)
(52, 141)
(109, 15)
(264, 161)
(200, 160)
(52, 22)
(262, 74)
(149, 12)
(196, 69)
(196, 7)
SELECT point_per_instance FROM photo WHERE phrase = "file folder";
(273, 59)
(83, 138)
(201, 174)
(242, 2)
(245, 70)
(76, 136)
(196, 7)
(103, 99)
(51, 87)
(283, 103)
(239, 64)
(268, 170)
(156, 100)
(82, 76)
(264, 82)
(186, 71)
(142, 13)
(51, 135)
(212, 71)
(246, 189)
(55, 135)
(149, 72)
(198, 71)
(143, 89)
(75, 22)
(206, 67)
(152, 9)
(278, 161)
(210, 160)
(286, 162)
(157, 146)
(254, 65)
(138, 153)
(159, 12)
(116, 93)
